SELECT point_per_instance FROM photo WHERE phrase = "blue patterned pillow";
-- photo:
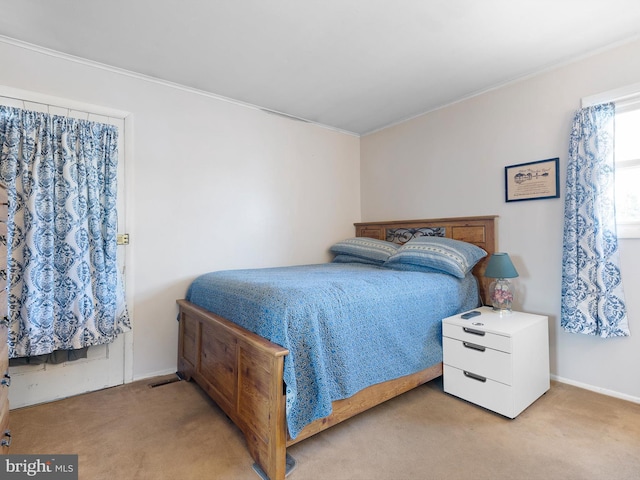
(367, 248)
(440, 253)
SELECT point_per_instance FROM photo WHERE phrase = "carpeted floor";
(175, 432)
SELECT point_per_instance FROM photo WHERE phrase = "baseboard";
(603, 391)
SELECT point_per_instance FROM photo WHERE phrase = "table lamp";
(501, 268)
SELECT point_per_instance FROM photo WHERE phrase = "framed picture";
(532, 181)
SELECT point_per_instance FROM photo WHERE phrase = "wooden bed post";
(260, 407)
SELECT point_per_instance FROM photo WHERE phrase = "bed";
(244, 373)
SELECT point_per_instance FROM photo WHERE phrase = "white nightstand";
(500, 362)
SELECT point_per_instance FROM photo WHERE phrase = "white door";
(105, 364)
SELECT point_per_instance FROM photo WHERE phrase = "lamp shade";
(500, 266)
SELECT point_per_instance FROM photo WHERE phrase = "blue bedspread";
(346, 325)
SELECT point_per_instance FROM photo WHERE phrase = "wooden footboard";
(242, 372)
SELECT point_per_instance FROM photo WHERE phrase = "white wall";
(213, 185)
(451, 162)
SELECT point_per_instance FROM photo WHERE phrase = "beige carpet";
(175, 432)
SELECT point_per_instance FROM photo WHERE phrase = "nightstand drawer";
(481, 360)
(487, 393)
(477, 335)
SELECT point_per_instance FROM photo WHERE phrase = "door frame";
(85, 110)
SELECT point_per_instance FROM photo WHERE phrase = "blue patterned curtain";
(592, 295)
(64, 287)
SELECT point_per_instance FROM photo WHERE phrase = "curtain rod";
(60, 102)
(68, 109)
(620, 96)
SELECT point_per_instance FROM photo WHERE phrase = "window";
(627, 157)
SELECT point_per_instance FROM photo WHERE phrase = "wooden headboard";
(480, 231)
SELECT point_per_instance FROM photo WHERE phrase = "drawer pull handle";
(474, 376)
(473, 346)
(6, 442)
(6, 381)
(473, 331)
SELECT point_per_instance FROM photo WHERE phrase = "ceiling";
(353, 65)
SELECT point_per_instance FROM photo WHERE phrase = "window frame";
(627, 229)
(625, 98)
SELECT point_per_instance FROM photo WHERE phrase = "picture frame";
(532, 181)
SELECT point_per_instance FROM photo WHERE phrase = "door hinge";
(123, 239)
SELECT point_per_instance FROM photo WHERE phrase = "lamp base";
(501, 295)
(503, 312)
